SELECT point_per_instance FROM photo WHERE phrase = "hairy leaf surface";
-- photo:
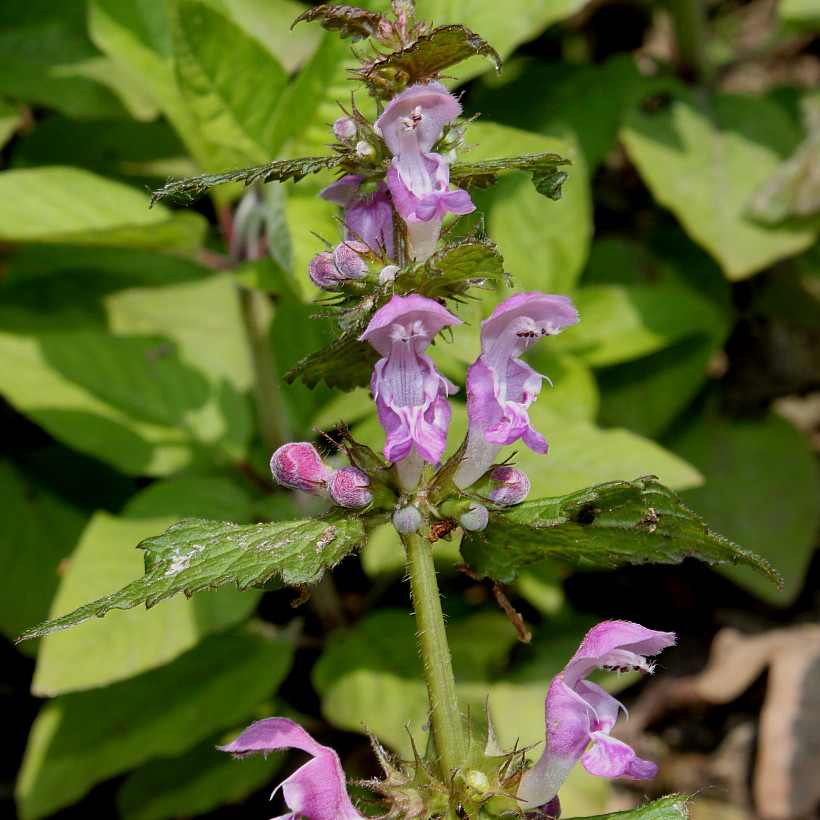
(620, 522)
(196, 554)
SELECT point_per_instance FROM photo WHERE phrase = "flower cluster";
(417, 186)
(579, 716)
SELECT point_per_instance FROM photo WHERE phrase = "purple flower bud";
(347, 257)
(344, 129)
(388, 274)
(407, 520)
(318, 788)
(578, 713)
(347, 487)
(513, 485)
(368, 217)
(324, 273)
(299, 466)
(476, 518)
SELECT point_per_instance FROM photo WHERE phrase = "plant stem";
(448, 730)
(689, 18)
(272, 418)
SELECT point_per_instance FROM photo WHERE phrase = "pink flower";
(411, 395)
(368, 217)
(500, 387)
(578, 712)
(315, 791)
(419, 179)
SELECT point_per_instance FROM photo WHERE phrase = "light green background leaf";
(704, 159)
(64, 204)
(81, 739)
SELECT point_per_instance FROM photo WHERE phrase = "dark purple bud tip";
(347, 487)
(549, 811)
(476, 518)
(298, 465)
(348, 257)
(513, 485)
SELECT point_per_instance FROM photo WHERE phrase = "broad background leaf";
(64, 204)
(704, 160)
(81, 739)
(761, 490)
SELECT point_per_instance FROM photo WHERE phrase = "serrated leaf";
(620, 522)
(452, 270)
(196, 554)
(433, 53)
(187, 190)
(125, 644)
(349, 21)
(671, 807)
(343, 364)
(543, 168)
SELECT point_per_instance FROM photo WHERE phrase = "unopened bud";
(344, 129)
(347, 487)
(298, 465)
(388, 274)
(347, 257)
(407, 520)
(323, 272)
(364, 149)
(476, 518)
(513, 485)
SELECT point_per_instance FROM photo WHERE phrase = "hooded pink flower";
(578, 712)
(368, 217)
(500, 387)
(411, 395)
(315, 791)
(419, 179)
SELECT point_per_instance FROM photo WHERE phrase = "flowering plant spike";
(392, 283)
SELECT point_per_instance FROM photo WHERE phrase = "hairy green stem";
(448, 729)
